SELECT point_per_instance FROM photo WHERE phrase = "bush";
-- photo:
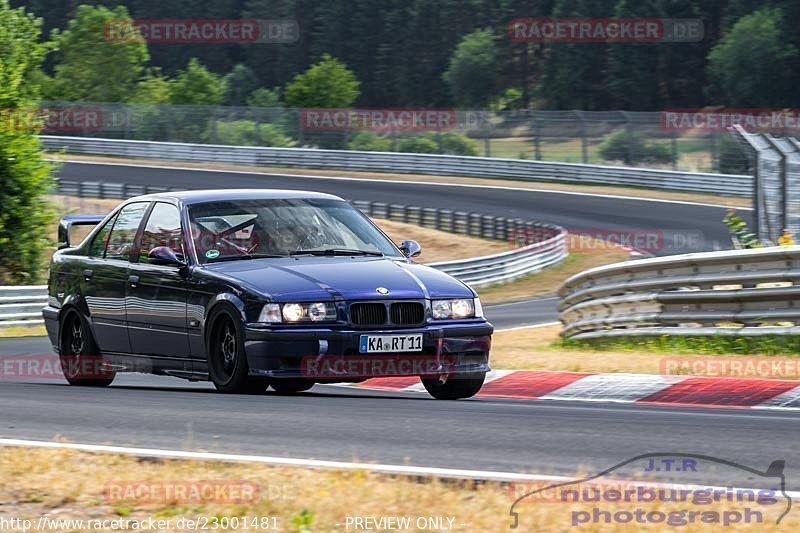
(248, 133)
(455, 144)
(439, 143)
(619, 146)
(367, 141)
(418, 145)
(658, 153)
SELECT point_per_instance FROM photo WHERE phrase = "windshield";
(242, 229)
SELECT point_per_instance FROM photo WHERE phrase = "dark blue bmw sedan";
(254, 289)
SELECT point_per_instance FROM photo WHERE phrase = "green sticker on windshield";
(212, 254)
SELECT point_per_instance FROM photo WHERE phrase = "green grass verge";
(705, 345)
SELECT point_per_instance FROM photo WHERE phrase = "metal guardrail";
(102, 189)
(740, 293)
(432, 164)
(22, 305)
(549, 246)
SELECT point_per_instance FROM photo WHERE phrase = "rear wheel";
(80, 358)
(291, 385)
(227, 364)
(454, 387)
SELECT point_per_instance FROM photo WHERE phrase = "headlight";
(293, 312)
(463, 308)
(297, 312)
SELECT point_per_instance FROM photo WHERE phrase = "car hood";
(313, 278)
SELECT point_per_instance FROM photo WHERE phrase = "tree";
(98, 59)
(24, 174)
(631, 82)
(574, 75)
(239, 83)
(153, 88)
(472, 74)
(265, 98)
(326, 84)
(197, 86)
(752, 64)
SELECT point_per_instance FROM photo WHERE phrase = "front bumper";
(50, 315)
(332, 354)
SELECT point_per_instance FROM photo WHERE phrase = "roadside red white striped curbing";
(625, 388)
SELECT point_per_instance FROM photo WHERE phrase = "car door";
(156, 294)
(105, 276)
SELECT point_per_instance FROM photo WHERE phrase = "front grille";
(368, 314)
(407, 313)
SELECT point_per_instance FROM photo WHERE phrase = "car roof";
(213, 195)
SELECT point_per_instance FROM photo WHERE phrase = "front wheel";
(227, 365)
(80, 358)
(454, 387)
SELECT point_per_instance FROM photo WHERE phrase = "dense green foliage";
(472, 73)
(24, 175)
(327, 84)
(89, 66)
(755, 45)
(428, 52)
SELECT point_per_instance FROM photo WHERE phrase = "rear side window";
(98, 246)
(121, 241)
(163, 229)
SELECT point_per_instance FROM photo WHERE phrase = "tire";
(81, 361)
(227, 361)
(454, 387)
(291, 385)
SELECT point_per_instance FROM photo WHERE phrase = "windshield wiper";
(336, 251)
(243, 256)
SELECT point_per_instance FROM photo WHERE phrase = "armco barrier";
(743, 292)
(22, 305)
(448, 165)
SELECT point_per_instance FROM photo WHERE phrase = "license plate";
(390, 343)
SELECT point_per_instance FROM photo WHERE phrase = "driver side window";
(121, 241)
(163, 229)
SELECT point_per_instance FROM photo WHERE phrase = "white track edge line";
(487, 475)
(286, 461)
(414, 182)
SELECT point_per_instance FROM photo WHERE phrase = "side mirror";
(165, 256)
(411, 248)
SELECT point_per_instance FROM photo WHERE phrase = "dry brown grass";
(441, 245)
(595, 189)
(63, 484)
(582, 257)
(535, 349)
(22, 331)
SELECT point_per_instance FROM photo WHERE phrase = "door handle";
(88, 273)
(133, 280)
